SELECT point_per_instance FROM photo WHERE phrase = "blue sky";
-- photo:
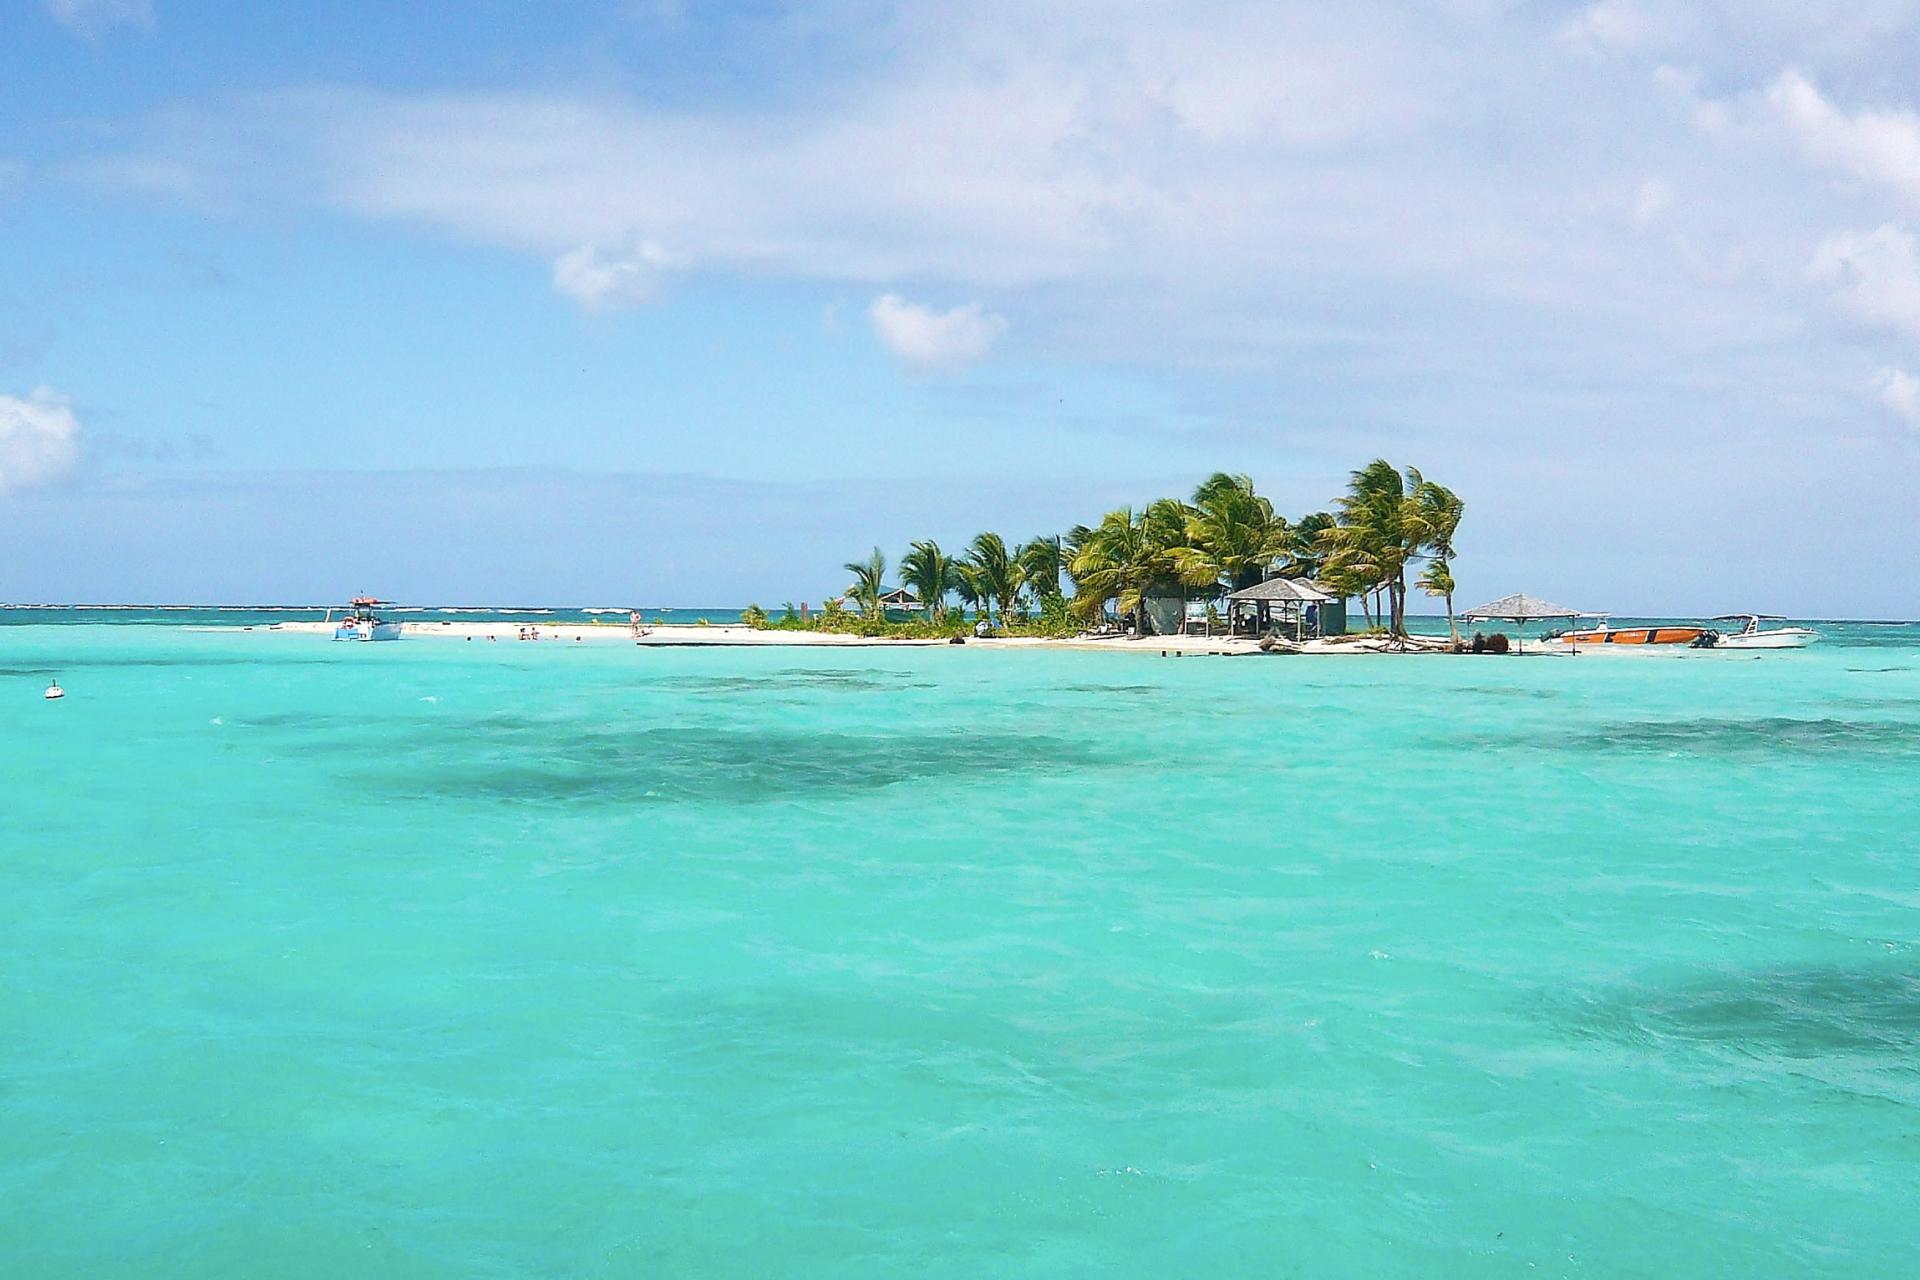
(678, 303)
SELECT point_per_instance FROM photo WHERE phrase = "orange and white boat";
(1632, 635)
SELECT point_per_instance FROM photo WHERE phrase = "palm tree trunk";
(1452, 628)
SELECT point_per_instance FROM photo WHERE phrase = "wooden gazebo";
(1280, 604)
(901, 600)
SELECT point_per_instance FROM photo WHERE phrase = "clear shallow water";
(436, 959)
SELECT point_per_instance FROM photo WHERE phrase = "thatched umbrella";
(1522, 609)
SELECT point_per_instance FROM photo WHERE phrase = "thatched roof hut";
(1296, 590)
(1300, 605)
(1522, 608)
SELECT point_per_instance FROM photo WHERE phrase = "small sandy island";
(738, 636)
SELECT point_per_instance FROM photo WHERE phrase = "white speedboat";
(362, 623)
(1752, 636)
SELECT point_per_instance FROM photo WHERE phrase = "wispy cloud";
(1875, 275)
(93, 19)
(624, 275)
(1900, 392)
(1203, 185)
(1611, 27)
(928, 339)
(1881, 146)
(39, 439)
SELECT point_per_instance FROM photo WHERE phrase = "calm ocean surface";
(441, 959)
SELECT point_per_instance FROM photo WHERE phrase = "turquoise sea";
(432, 959)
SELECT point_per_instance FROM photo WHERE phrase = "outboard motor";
(1705, 640)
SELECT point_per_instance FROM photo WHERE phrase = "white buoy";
(55, 691)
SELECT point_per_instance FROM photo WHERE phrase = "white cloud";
(1612, 26)
(1879, 146)
(39, 439)
(1214, 183)
(1900, 392)
(1875, 275)
(595, 276)
(927, 339)
(92, 19)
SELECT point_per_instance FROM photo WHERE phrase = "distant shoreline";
(732, 612)
(742, 637)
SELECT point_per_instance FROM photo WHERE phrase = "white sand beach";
(680, 636)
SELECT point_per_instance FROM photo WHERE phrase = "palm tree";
(1347, 569)
(996, 576)
(1377, 533)
(1120, 560)
(1072, 542)
(1437, 580)
(1304, 554)
(1232, 535)
(1041, 562)
(932, 573)
(869, 581)
(966, 585)
(1440, 511)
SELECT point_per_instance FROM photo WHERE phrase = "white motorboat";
(362, 623)
(1753, 636)
(55, 691)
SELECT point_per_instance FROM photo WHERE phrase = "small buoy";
(55, 691)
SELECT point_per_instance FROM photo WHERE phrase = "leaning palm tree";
(971, 588)
(1072, 542)
(996, 573)
(869, 582)
(1041, 562)
(1232, 536)
(1120, 561)
(932, 573)
(1304, 554)
(1437, 580)
(1348, 567)
(1380, 530)
(1440, 511)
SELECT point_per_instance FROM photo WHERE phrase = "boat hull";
(1634, 636)
(1782, 639)
(367, 631)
